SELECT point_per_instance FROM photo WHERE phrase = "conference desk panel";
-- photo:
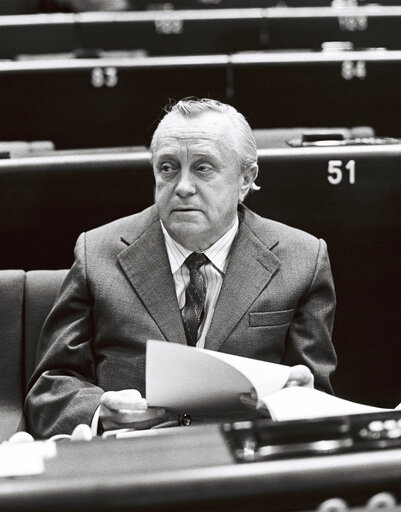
(232, 30)
(175, 32)
(36, 34)
(349, 196)
(19, 6)
(283, 89)
(45, 203)
(199, 32)
(368, 26)
(193, 468)
(78, 103)
(153, 32)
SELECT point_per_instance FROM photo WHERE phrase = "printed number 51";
(336, 170)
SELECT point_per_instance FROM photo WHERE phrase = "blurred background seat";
(25, 300)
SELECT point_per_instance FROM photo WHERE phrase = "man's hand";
(127, 409)
(300, 375)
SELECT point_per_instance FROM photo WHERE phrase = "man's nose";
(185, 185)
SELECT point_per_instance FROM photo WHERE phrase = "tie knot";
(195, 260)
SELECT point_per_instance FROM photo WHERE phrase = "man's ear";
(249, 176)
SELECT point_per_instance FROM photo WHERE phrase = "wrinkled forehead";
(208, 129)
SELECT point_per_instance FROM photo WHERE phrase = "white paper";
(189, 379)
(25, 458)
(296, 403)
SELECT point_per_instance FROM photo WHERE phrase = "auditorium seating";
(318, 89)
(25, 300)
(83, 103)
(232, 30)
(93, 102)
(183, 32)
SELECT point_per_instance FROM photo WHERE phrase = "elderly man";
(196, 268)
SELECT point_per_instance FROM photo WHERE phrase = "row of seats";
(346, 194)
(182, 32)
(84, 103)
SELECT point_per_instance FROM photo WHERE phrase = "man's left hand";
(300, 375)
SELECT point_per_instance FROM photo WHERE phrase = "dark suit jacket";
(276, 304)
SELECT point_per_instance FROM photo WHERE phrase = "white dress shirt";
(212, 272)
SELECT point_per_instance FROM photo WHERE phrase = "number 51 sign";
(338, 171)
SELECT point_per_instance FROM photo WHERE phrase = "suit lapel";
(146, 265)
(250, 268)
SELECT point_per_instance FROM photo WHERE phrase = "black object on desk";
(192, 468)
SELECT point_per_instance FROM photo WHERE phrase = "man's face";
(198, 179)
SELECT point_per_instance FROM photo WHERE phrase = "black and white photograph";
(200, 264)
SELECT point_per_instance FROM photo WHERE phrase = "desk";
(192, 468)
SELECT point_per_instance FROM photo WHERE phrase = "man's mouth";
(186, 210)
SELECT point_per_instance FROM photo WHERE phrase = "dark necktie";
(192, 312)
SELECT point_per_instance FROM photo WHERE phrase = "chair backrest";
(11, 332)
(25, 300)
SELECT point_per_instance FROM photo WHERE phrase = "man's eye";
(167, 169)
(204, 168)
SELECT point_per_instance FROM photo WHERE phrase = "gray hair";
(192, 107)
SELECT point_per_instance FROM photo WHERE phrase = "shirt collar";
(217, 253)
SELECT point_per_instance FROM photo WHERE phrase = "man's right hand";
(127, 409)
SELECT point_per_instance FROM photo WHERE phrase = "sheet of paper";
(188, 379)
(295, 403)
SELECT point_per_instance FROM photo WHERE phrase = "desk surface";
(193, 469)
